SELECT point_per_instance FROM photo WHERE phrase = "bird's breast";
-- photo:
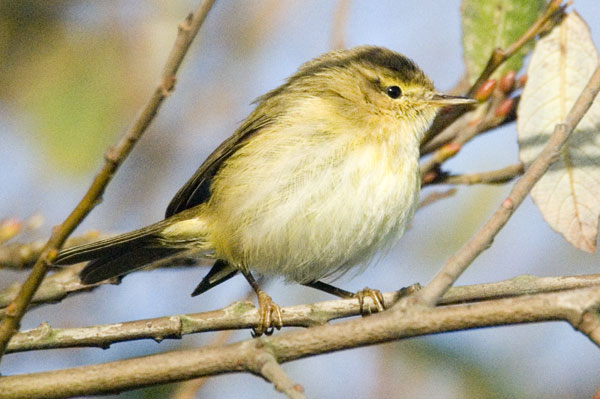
(315, 206)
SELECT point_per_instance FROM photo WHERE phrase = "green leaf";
(488, 24)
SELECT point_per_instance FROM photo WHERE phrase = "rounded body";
(322, 174)
(326, 196)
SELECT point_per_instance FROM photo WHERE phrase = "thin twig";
(189, 389)
(113, 158)
(266, 365)
(66, 281)
(287, 346)
(338, 29)
(464, 126)
(497, 176)
(517, 286)
(435, 196)
(458, 263)
(468, 127)
(240, 315)
(19, 256)
(54, 288)
(447, 134)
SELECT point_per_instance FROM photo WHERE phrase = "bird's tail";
(122, 254)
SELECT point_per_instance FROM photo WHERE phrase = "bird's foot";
(375, 296)
(270, 316)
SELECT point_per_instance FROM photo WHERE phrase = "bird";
(322, 175)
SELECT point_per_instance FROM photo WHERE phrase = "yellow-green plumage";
(322, 174)
(327, 194)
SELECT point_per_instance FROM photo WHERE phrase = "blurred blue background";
(73, 75)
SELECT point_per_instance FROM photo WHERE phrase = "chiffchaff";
(321, 175)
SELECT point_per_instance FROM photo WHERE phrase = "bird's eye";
(393, 91)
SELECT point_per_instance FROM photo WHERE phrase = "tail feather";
(122, 254)
(117, 255)
(120, 263)
(108, 247)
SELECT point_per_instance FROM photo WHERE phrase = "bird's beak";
(444, 100)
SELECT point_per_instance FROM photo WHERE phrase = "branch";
(497, 115)
(454, 267)
(53, 289)
(266, 365)
(66, 281)
(436, 196)
(498, 176)
(113, 159)
(486, 117)
(21, 256)
(340, 19)
(49, 291)
(240, 315)
(188, 389)
(383, 327)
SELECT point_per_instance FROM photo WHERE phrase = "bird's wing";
(197, 189)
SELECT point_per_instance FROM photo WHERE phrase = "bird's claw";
(270, 316)
(375, 296)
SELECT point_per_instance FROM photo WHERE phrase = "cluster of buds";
(500, 91)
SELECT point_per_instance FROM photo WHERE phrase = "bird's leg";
(269, 311)
(375, 295)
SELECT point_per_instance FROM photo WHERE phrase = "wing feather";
(197, 189)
